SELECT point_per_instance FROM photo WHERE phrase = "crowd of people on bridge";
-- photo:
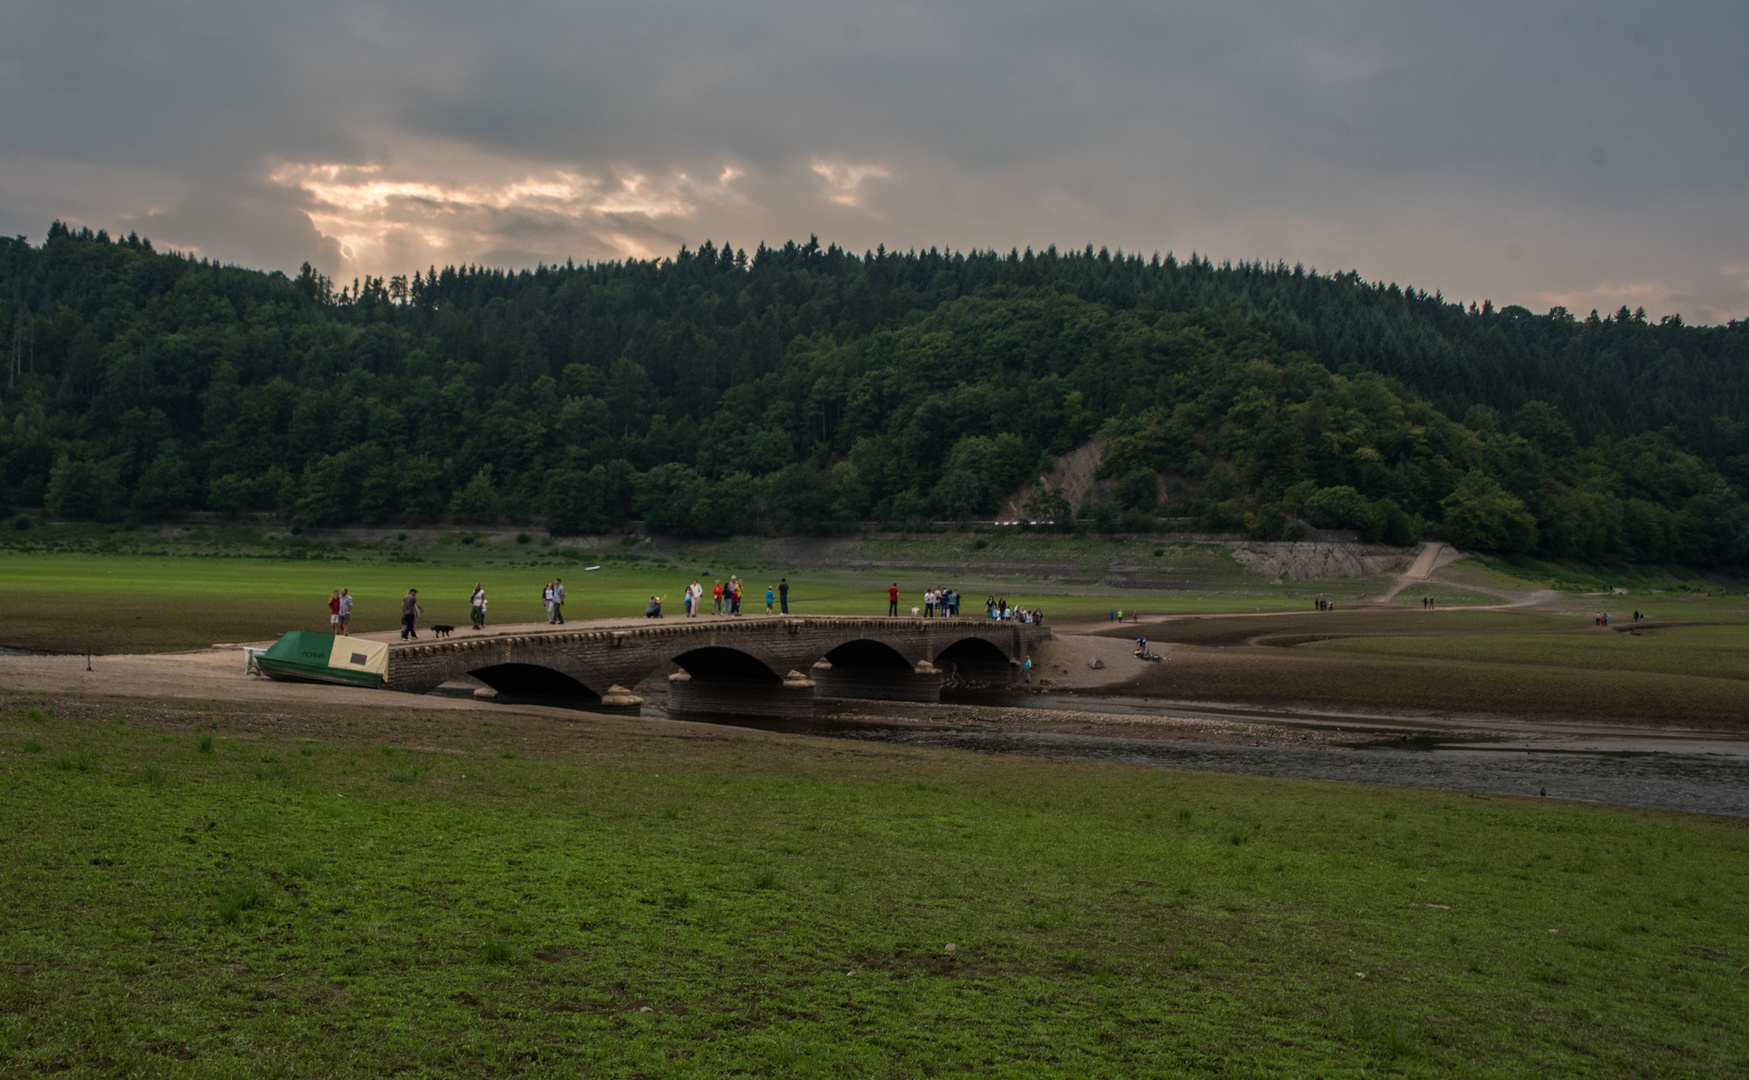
(725, 601)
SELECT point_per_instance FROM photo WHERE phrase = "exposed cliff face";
(1316, 560)
(1072, 475)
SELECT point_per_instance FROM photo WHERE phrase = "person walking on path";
(734, 595)
(334, 613)
(717, 598)
(410, 612)
(546, 599)
(345, 612)
(770, 599)
(697, 596)
(893, 599)
(477, 606)
(783, 595)
(559, 601)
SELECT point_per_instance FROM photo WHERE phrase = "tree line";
(805, 388)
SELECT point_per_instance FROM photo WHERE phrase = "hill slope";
(802, 386)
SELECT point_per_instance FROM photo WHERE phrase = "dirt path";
(1420, 570)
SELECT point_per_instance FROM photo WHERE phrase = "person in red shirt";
(717, 598)
(334, 613)
(893, 599)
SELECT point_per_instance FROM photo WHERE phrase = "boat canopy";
(301, 652)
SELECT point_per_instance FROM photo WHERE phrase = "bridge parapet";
(581, 662)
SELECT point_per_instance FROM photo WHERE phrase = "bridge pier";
(921, 683)
(791, 699)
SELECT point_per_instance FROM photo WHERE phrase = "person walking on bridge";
(410, 612)
(893, 599)
(559, 601)
(783, 595)
(477, 606)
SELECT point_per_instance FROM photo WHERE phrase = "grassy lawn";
(106, 590)
(196, 892)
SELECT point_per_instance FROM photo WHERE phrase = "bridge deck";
(701, 622)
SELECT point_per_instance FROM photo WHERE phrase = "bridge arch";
(975, 661)
(868, 653)
(973, 649)
(722, 662)
(532, 682)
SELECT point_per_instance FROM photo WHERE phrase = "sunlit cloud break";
(844, 179)
(367, 212)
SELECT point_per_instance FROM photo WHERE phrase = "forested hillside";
(805, 388)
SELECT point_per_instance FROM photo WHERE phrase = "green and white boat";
(324, 658)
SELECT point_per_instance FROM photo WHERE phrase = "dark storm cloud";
(1586, 154)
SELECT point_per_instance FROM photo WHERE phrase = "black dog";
(442, 630)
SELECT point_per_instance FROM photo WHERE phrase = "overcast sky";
(1585, 154)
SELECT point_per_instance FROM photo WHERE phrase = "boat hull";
(280, 671)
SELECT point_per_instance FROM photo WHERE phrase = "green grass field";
(107, 589)
(1528, 663)
(1702, 651)
(194, 892)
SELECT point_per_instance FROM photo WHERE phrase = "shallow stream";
(1705, 772)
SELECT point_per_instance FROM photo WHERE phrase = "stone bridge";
(746, 666)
